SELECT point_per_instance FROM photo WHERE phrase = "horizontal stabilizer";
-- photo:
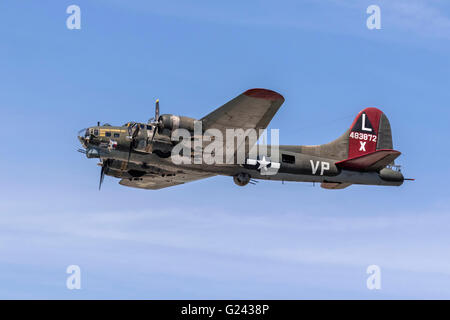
(371, 161)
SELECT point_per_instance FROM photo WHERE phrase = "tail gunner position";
(139, 154)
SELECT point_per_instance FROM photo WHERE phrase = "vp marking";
(363, 146)
(323, 166)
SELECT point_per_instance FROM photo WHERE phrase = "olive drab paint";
(170, 150)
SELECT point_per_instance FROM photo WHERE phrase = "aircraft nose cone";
(83, 132)
(82, 135)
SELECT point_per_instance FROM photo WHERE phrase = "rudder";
(369, 132)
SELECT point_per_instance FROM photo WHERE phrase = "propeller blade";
(155, 121)
(102, 175)
(157, 110)
(133, 140)
(155, 128)
(136, 132)
(129, 152)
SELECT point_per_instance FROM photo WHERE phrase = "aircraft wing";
(253, 109)
(155, 182)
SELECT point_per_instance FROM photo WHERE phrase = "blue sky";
(211, 238)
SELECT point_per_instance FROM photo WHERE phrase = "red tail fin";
(368, 128)
(370, 131)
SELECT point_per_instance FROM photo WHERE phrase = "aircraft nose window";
(95, 132)
(83, 133)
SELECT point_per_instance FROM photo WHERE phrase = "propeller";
(104, 165)
(133, 130)
(156, 124)
(133, 135)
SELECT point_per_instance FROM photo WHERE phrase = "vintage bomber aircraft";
(140, 153)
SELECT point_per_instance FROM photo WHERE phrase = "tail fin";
(369, 132)
(369, 142)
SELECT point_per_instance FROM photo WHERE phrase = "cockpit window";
(108, 134)
(95, 132)
(116, 135)
(149, 127)
(142, 126)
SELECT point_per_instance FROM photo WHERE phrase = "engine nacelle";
(172, 122)
(241, 179)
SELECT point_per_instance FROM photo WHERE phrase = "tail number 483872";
(363, 136)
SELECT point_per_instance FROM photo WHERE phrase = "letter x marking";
(363, 146)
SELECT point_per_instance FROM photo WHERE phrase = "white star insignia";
(263, 163)
(112, 144)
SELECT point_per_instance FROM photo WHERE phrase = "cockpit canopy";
(108, 131)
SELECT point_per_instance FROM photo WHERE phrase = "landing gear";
(241, 179)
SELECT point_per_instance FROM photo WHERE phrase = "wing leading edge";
(253, 109)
